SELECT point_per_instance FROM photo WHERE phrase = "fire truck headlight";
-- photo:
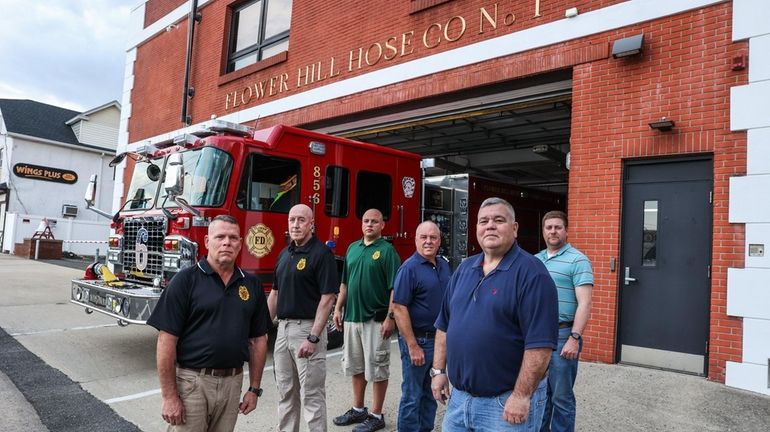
(77, 293)
(114, 256)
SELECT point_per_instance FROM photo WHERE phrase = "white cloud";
(68, 53)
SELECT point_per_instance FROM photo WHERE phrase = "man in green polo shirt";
(366, 294)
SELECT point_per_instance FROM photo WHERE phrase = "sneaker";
(371, 424)
(352, 416)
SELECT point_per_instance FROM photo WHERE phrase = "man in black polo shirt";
(306, 284)
(212, 317)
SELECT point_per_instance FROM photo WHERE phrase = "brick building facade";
(384, 69)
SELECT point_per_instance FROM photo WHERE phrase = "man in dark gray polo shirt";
(212, 317)
(306, 284)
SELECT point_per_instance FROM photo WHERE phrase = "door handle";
(628, 279)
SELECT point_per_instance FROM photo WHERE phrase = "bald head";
(427, 240)
(372, 224)
(300, 224)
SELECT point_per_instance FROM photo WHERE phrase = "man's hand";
(571, 349)
(337, 318)
(173, 410)
(249, 403)
(439, 385)
(306, 349)
(516, 409)
(387, 328)
(417, 355)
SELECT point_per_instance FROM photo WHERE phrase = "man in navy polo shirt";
(212, 317)
(417, 293)
(495, 333)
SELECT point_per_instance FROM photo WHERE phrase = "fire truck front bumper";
(128, 303)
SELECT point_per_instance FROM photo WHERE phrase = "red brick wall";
(157, 9)
(684, 74)
(321, 30)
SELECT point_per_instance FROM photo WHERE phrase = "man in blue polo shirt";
(495, 332)
(574, 278)
(417, 293)
(212, 317)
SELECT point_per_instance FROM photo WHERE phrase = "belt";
(565, 324)
(425, 335)
(215, 372)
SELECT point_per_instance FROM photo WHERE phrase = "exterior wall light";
(628, 46)
(663, 125)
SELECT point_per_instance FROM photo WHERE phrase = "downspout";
(188, 91)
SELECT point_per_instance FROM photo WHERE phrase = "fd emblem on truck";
(142, 256)
(259, 240)
(408, 184)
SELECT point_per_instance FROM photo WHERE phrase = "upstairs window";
(259, 29)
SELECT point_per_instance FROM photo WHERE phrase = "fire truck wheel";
(334, 335)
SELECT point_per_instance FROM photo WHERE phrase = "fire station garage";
(640, 118)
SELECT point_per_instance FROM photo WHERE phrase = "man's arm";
(257, 356)
(572, 346)
(440, 383)
(389, 325)
(341, 298)
(319, 324)
(272, 304)
(532, 371)
(404, 323)
(172, 410)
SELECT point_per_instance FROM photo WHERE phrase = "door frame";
(620, 276)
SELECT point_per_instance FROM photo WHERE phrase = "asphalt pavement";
(37, 397)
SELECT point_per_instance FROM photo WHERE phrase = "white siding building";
(47, 155)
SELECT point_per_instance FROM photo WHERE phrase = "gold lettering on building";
(389, 47)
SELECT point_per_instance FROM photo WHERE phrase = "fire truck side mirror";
(174, 182)
(90, 196)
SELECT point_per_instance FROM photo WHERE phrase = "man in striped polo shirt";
(572, 273)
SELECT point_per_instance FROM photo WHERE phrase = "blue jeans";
(417, 410)
(485, 414)
(560, 409)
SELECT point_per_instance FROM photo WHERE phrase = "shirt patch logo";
(243, 293)
(494, 291)
(301, 264)
(376, 255)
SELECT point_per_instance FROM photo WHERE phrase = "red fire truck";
(179, 185)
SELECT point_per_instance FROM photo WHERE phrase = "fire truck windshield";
(207, 174)
(144, 185)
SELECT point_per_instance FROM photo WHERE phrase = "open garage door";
(517, 132)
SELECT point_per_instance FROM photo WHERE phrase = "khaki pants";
(210, 403)
(299, 379)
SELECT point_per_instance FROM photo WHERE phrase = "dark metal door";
(665, 271)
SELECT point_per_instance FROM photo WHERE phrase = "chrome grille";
(156, 232)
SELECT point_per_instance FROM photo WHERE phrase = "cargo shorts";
(365, 351)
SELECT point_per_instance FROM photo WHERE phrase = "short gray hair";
(499, 201)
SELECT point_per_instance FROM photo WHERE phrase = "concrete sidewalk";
(611, 398)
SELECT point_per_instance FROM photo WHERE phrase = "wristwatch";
(391, 315)
(313, 338)
(576, 336)
(433, 372)
(256, 391)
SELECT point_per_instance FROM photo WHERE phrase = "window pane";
(269, 184)
(650, 234)
(143, 186)
(248, 21)
(245, 61)
(336, 194)
(278, 17)
(373, 191)
(275, 49)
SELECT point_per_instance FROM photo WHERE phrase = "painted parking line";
(38, 332)
(153, 392)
